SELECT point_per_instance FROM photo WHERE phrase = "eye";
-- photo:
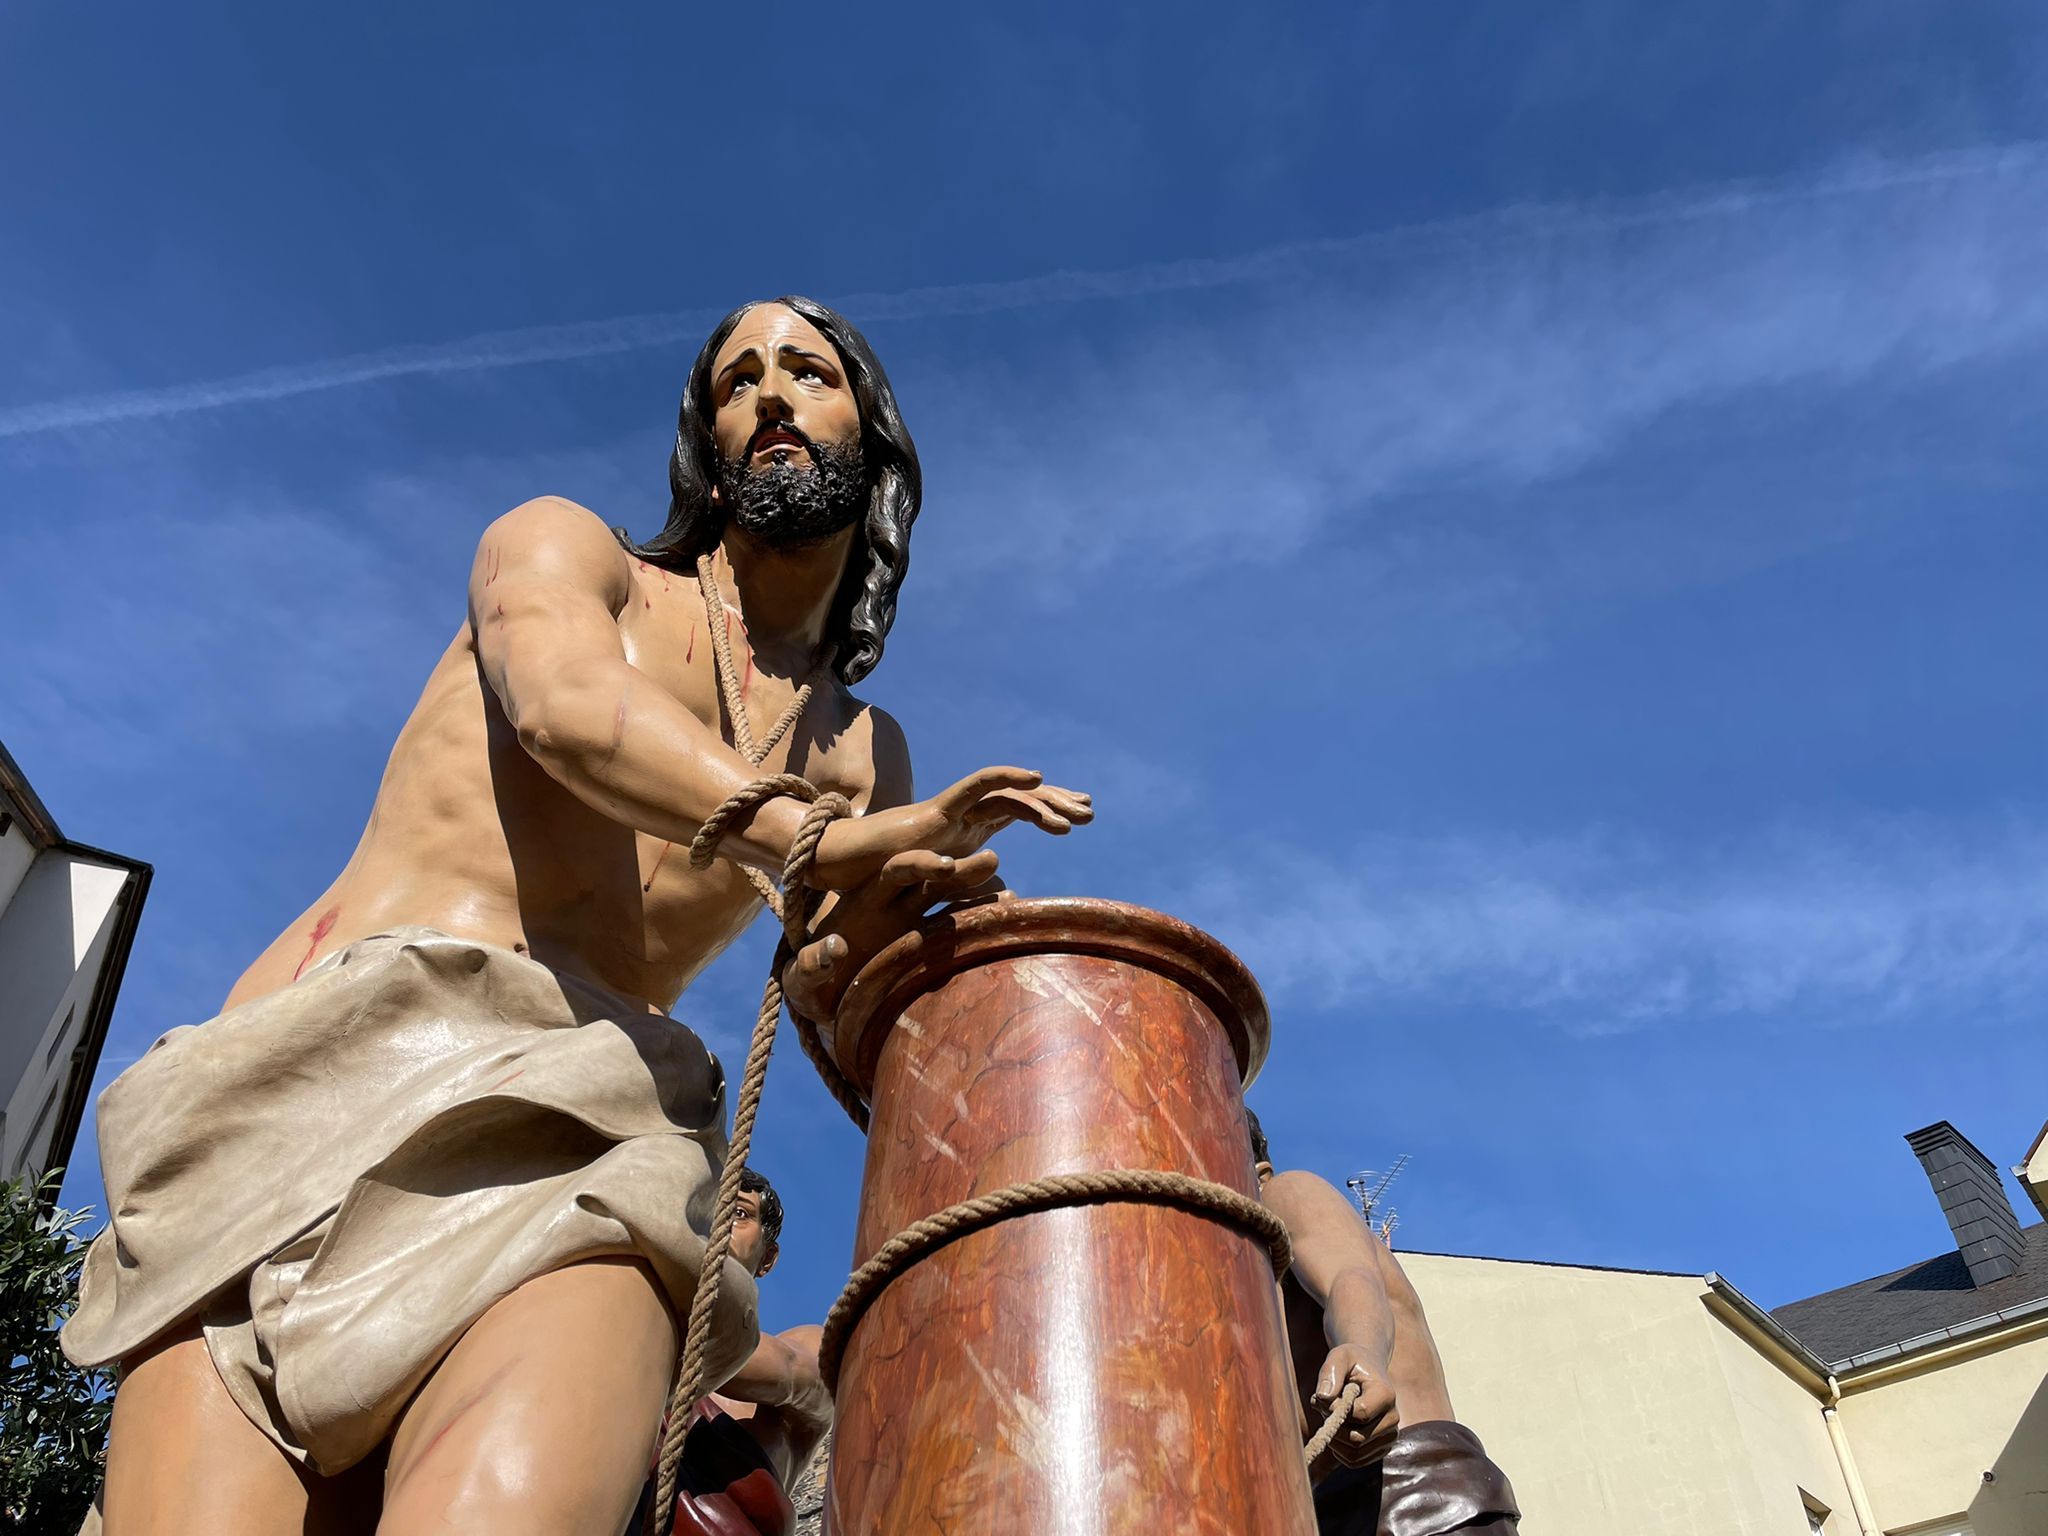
(739, 383)
(806, 371)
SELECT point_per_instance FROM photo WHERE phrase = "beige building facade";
(1640, 1404)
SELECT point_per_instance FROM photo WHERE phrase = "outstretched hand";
(951, 824)
(908, 860)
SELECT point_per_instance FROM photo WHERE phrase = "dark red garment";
(1435, 1481)
(726, 1485)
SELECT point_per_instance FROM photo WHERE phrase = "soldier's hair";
(754, 1182)
(866, 603)
(1260, 1154)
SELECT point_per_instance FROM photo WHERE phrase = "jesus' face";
(787, 429)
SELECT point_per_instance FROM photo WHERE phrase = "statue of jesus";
(400, 1238)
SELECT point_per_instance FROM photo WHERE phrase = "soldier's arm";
(1335, 1264)
(1333, 1247)
(781, 1376)
(1334, 1261)
(1418, 1369)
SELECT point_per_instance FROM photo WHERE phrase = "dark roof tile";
(1909, 1303)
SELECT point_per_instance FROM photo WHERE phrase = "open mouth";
(770, 438)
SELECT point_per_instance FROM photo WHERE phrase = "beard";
(787, 506)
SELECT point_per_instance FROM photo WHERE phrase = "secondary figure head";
(757, 1228)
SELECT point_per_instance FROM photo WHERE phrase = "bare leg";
(541, 1421)
(183, 1460)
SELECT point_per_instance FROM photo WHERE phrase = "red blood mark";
(493, 558)
(747, 676)
(321, 929)
(647, 602)
(501, 610)
(501, 1082)
(657, 866)
(418, 1459)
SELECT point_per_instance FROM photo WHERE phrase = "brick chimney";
(1973, 1200)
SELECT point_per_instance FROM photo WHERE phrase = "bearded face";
(787, 500)
(787, 430)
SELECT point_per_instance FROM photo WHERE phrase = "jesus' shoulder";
(603, 664)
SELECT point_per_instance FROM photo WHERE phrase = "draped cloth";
(337, 1179)
(1436, 1480)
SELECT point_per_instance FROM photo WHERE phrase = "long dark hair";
(866, 604)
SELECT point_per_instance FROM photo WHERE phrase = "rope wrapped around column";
(922, 1238)
(1154, 1186)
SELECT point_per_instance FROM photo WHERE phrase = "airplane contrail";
(633, 333)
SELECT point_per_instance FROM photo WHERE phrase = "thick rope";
(793, 906)
(1145, 1185)
(690, 1373)
(1326, 1436)
(729, 690)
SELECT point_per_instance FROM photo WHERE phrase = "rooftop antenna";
(1369, 1190)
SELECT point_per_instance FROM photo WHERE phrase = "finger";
(822, 958)
(988, 780)
(991, 889)
(1077, 808)
(915, 867)
(813, 978)
(997, 810)
(967, 876)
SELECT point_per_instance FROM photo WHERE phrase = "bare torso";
(470, 835)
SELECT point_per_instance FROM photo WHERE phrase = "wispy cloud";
(1598, 934)
(2006, 167)
(1506, 353)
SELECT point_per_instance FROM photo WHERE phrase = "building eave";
(2035, 1192)
(36, 819)
(1766, 1334)
(1994, 1330)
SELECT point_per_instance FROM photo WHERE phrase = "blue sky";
(1527, 518)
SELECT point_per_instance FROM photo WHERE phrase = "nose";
(770, 404)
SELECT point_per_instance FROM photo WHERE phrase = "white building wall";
(17, 853)
(54, 933)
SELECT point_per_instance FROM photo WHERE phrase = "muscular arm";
(782, 1372)
(544, 599)
(1366, 1297)
(1335, 1262)
(1417, 1369)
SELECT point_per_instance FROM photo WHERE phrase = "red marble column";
(1090, 1371)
